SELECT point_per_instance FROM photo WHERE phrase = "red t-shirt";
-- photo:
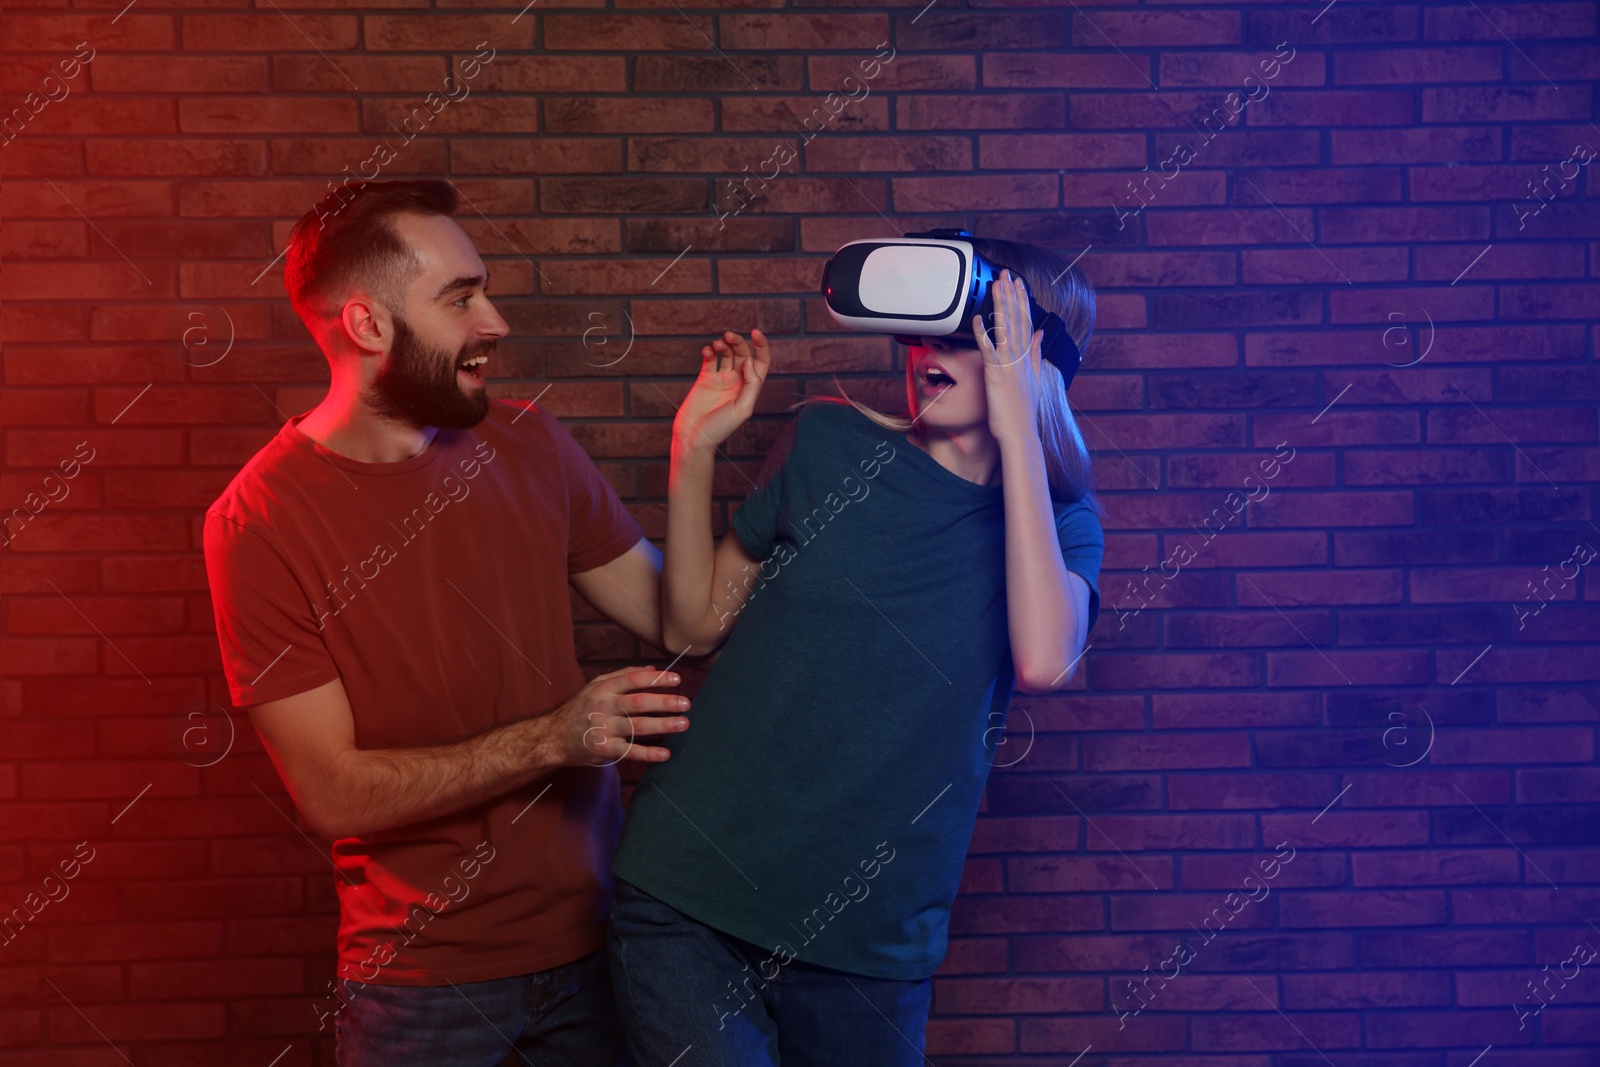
(436, 590)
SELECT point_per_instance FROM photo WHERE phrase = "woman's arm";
(702, 587)
(1047, 605)
(702, 591)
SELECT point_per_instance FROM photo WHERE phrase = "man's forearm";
(379, 789)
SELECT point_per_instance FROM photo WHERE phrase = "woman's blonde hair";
(1059, 287)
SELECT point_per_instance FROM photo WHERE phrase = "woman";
(785, 879)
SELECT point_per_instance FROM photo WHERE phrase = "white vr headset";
(928, 285)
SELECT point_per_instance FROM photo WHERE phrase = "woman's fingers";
(740, 349)
(1012, 318)
(763, 351)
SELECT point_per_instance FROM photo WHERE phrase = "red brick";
(1015, 914)
(773, 32)
(453, 33)
(58, 32)
(986, 112)
(1165, 751)
(934, 29)
(1044, 70)
(786, 114)
(1228, 227)
(1435, 867)
(1086, 874)
(1181, 912)
(1070, 1035)
(1511, 103)
(1390, 908)
(138, 1022)
(1499, 22)
(179, 74)
(715, 74)
(1333, 107)
(992, 996)
(1425, 144)
(1178, 711)
(600, 33)
(1025, 835)
(601, 115)
(135, 941)
(270, 33)
(1333, 509)
(1239, 1031)
(953, 1037)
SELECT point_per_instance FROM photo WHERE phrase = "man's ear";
(367, 323)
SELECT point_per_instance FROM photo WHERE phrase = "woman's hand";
(1011, 380)
(724, 396)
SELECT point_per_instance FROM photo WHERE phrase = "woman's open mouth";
(935, 379)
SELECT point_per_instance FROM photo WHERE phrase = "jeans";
(692, 996)
(561, 1017)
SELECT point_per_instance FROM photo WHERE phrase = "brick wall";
(1341, 702)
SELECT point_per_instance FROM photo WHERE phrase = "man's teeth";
(475, 361)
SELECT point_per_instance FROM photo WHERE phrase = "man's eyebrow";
(466, 281)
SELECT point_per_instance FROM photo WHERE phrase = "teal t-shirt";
(821, 802)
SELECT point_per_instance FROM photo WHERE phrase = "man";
(389, 576)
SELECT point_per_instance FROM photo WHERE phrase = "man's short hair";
(347, 241)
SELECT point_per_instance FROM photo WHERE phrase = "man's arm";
(628, 591)
(344, 791)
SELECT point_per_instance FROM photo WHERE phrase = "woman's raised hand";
(1011, 356)
(724, 395)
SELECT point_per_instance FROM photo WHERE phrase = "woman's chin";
(934, 418)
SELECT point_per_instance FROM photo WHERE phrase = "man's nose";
(496, 326)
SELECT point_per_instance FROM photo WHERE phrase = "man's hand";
(345, 791)
(600, 723)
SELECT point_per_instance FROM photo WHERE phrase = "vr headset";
(928, 285)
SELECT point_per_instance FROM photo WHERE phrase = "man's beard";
(418, 384)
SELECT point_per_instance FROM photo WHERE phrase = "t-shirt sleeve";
(271, 644)
(756, 520)
(599, 527)
(1083, 546)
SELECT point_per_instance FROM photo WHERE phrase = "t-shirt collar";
(442, 440)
